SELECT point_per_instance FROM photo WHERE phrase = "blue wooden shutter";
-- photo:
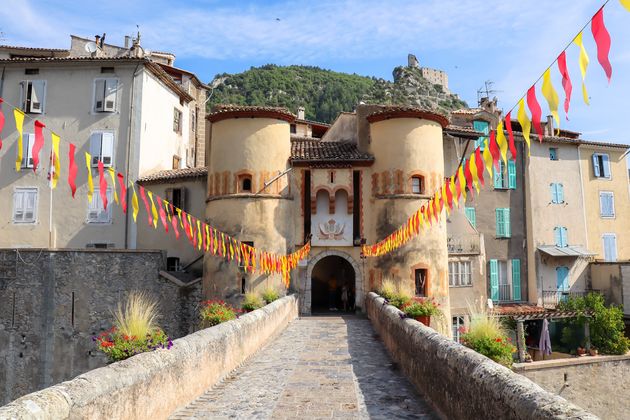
(554, 193)
(506, 223)
(562, 278)
(471, 215)
(498, 175)
(563, 235)
(499, 223)
(557, 236)
(596, 169)
(494, 280)
(511, 174)
(484, 128)
(605, 170)
(516, 279)
(560, 193)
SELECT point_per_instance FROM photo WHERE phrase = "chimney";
(301, 113)
(549, 126)
(127, 41)
(97, 40)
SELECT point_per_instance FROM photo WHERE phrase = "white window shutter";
(111, 86)
(93, 206)
(27, 150)
(18, 206)
(37, 97)
(99, 95)
(95, 147)
(30, 205)
(596, 168)
(107, 149)
(606, 166)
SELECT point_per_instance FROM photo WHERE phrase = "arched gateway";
(326, 275)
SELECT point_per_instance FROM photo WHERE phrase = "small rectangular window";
(511, 170)
(96, 213)
(503, 228)
(553, 153)
(25, 205)
(500, 178)
(33, 94)
(27, 150)
(560, 236)
(31, 71)
(606, 204)
(107, 69)
(471, 214)
(557, 193)
(176, 162)
(102, 148)
(177, 120)
(484, 127)
(459, 273)
(105, 91)
(601, 165)
(420, 276)
(417, 185)
(177, 197)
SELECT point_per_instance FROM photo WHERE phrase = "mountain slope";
(325, 93)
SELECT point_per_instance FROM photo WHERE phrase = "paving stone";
(319, 367)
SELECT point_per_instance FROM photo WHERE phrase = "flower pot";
(593, 352)
(426, 320)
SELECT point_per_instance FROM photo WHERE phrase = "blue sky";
(506, 41)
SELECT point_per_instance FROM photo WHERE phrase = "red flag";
(458, 190)
(435, 212)
(1, 121)
(161, 212)
(212, 250)
(186, 225)
(102, 182)
(72, 169)
(534, 108)
(39, 143)
(123, 192)
(468, 175)
(146, 205)
(449, 199)
(508, 125)
(479, 164)
(566, 81)
(193, 232)
(174, 221)
(203, 235)
(602, 39)
(494, 149)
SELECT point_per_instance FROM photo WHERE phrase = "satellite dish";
(90, 47)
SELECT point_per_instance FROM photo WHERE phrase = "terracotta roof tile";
(463, 130)
(222, 112)
(387, 112)
(174, 174)
(306, 149)
(518, 309)
(467, 111)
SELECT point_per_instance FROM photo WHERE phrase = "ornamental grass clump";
(486, 335)
(135, 330)
(400, 297)
(251, 302)
(388, 289)
(214, 312)
(269, 295)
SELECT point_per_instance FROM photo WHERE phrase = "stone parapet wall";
(461, 383)
(152, 385)
(596, 383)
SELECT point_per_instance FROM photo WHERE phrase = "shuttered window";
(516, 279)
(561, 236)
(494, 280)
(503, 228)
(557, 193)
(25, 205)
(562, 278)
(511, 167)
(459, 273)
(33, 94)
(96, 213)
(499, 178)
(27, 150)
(601, 165)
(105, 95)
(471, 214)
(610, 247)
(484, 127)
(102, 148)
(607, 204)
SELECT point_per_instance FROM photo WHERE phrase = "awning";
(566, 251)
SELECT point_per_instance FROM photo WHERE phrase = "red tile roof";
(459, 129)
(389, 112)
(518, 309)
(309, 150)
(174, 174)
(223, 112)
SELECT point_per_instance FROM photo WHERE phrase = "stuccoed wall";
(53, 302)
(596, 384)
(461, 383)
(152, 385)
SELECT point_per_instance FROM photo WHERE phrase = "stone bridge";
(272, 364)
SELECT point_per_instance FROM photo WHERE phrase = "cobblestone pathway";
(320, 367)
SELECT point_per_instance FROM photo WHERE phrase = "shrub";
(388, 289)
(420, 306)
(396, 294)
(134, 331)
(486, 335)
(606, 323)
(252, 302)
(214, 312)
(269, 295)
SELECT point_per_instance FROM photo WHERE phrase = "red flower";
(498, 340)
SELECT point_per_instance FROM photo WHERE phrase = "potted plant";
(270, 295)
(581, 351)
(251, 302)
(421, 309)
(214, 312)
(593, 351)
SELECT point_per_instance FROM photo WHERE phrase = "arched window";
(245, 183)
(322, 202)
(417, 184)
(341, 202)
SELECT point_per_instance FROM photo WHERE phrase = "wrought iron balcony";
(463, 244)
(551, 298)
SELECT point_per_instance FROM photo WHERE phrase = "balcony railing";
(551, 298)
(505, 292)
(463, 244)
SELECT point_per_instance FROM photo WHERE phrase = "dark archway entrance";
(332, 278)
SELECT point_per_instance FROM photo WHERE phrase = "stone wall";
(152, 385)
(596, 383)
(52, 302)
(461, 383)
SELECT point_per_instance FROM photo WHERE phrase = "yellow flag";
(134, 202)
(454, 191)
(524, 121)
(473, 172)
(199, 237)
(154, 212)
(19, 125)
(112, 174)
(56, 164)
(487, 157)
(583, 64)
(462, 181)
(88, 160)
(502, 141)
(551, 96)
(445, 199)
(626, 4)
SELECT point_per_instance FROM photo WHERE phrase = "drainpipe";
(127, 158)
(583, 199)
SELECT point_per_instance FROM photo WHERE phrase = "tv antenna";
(486, 91)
